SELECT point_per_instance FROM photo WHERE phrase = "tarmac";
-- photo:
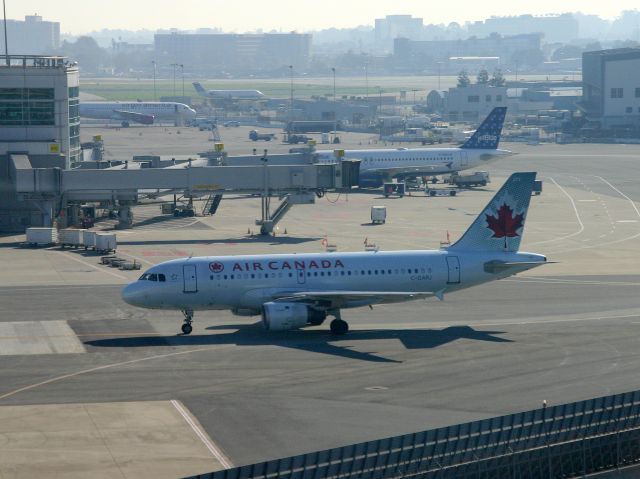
(563, 332)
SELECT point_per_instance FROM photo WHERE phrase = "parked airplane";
(144, 112)
(228, 94)
(296, 290)
(380, 165)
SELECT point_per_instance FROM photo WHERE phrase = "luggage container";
(378, 214)
(41, 236)
(89, 239)
(70, 237)
(106, 243)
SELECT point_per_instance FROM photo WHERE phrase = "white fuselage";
(236, 94)
(160, 110)
(417, 161)
(246, 283)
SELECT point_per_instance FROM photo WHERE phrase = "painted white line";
(575, 209)
(587, 201)
(627, 221)
(9, 289)
(100, 368)
(96, 267)
(217, 453)
(142, 260)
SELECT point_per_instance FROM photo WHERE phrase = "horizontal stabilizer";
(496, 267)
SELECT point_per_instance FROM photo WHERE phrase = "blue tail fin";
(199, 88)
(487, 136)
(500, 225)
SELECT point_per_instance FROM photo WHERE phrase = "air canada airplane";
(292, 291)
(228, 94)
(379, 165)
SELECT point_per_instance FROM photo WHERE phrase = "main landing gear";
(338, 325)
(188, 319)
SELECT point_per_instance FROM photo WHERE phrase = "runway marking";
(587, 201)
(100, 368)
(606, 243)
(92, 265)
(539, 279)
(142, 260)
(217, 453)
(9, 289)
(627, 221)
(575, 209)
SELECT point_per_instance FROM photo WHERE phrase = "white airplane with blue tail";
(292, 291)
(383, 164)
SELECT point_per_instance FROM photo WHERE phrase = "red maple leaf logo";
(216, 267)
(506, 224)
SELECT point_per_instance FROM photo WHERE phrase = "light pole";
(380, 109)
(182, 71)
(366, 80)
(6, 43)
(335, 107)
(154, 80)
(291, 97)
(174, 65)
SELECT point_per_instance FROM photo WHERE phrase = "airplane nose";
(132, 294)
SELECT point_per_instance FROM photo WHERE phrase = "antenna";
(6, 44)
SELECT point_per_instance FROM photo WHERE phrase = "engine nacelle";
(286, 316)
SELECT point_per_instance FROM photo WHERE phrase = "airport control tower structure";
(39, 117)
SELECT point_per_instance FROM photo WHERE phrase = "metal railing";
(568, 440)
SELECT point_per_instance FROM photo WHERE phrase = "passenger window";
(153, 277)
(225, 276)
(210, 277)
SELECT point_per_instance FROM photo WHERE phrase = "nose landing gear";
(188, 319)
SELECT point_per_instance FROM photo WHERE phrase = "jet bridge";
(52, 189)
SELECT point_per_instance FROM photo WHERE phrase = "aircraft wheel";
(187, 328)
(339, 327)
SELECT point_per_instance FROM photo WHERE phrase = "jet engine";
(286, 316)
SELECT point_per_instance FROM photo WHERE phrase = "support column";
(125, 215)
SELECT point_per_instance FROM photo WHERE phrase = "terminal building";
(39, 117)
(611, 87)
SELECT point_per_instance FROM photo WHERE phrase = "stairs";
(211, 205)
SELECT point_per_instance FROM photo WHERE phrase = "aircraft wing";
(418, 170)
(346, 299)
(134, 116)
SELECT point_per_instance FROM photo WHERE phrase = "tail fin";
(487, 136)
(199, 88)
(500, 225)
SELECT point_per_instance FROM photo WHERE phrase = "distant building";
(611, 87)
(474, 102)
(396, 26)
(234, 53)
(33, 36)
(555, 28)
(409, 52)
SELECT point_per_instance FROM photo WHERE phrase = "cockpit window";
(152, 277)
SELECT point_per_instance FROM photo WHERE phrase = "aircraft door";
(464, 158)
(302, 277)
(190, 278)
(453, 267)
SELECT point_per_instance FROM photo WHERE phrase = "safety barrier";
(568, 440)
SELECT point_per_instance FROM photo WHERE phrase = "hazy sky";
(81, 16)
